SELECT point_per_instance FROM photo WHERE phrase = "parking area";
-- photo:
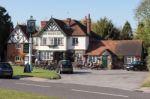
(121, 79)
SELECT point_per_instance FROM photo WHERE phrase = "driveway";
(121, 79)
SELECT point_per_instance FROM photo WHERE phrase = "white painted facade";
(67, 44)
(48, 46)
(53, 42)
(83, 42)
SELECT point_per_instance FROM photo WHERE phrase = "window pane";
(75, 41)
(62, 41)
(55, 41)
(59, 41)
(44, 41)
(36, 41)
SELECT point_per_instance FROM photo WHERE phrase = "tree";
(126, 33)
(143, 33)
(105, 29)
(148, 59)
(142, 12)
(5, 28)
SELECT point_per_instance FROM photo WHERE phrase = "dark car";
(65, 66)
(6, 70)
(139, 65)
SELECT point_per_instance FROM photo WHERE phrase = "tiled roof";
(75, 28)
(96, 52)
(24, 30)
(117, 47)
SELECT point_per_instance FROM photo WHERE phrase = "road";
(120, 79)
(71, 91)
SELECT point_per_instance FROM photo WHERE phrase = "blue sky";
(117, 10)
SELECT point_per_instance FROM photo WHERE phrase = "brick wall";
(12, 52)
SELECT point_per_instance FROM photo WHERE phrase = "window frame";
(46, 55)
(75, 41)
(17, 59)
(129, 60)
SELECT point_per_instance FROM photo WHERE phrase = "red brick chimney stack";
(88, 24)
(68, 21)
(85, 21)
(43, 24)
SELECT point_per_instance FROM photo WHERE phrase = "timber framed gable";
(17, 36)
(51, 26)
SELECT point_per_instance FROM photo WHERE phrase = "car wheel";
(135, 69)
(71, 72)
(10, 77)
(127, 69)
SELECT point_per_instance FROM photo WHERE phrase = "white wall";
(52, 34)
(83, 43)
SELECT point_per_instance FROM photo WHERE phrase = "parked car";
(139, 65)
(65, 66)
(6, 70)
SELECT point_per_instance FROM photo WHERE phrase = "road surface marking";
(100, 93)
(33, 85)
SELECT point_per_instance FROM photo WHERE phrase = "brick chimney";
(85, 21)
(88, 24)
(43, 24)
(68, 21)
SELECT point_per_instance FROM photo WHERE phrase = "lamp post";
(30, 30)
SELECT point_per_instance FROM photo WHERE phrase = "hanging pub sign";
(26, 47)
(31, 25)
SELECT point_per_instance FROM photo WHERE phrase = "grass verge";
(37, 72)
(12, 94)
(147, 81)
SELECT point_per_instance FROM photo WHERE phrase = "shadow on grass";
(21, 76)
(37, 72)
(16, 77)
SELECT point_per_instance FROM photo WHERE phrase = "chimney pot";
(89, 24)
(68, 21)
(85, 21)
(43, 24)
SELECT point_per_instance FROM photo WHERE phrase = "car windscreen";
(66, 63)
(5, 65)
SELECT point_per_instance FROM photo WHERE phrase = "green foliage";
(5, 28)
(143, 33)
(126, 33)
(148, 59)
(12, 94)
(37, 72)
(105, 29)
(143, 10)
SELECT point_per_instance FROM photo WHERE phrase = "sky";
(119, 11)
